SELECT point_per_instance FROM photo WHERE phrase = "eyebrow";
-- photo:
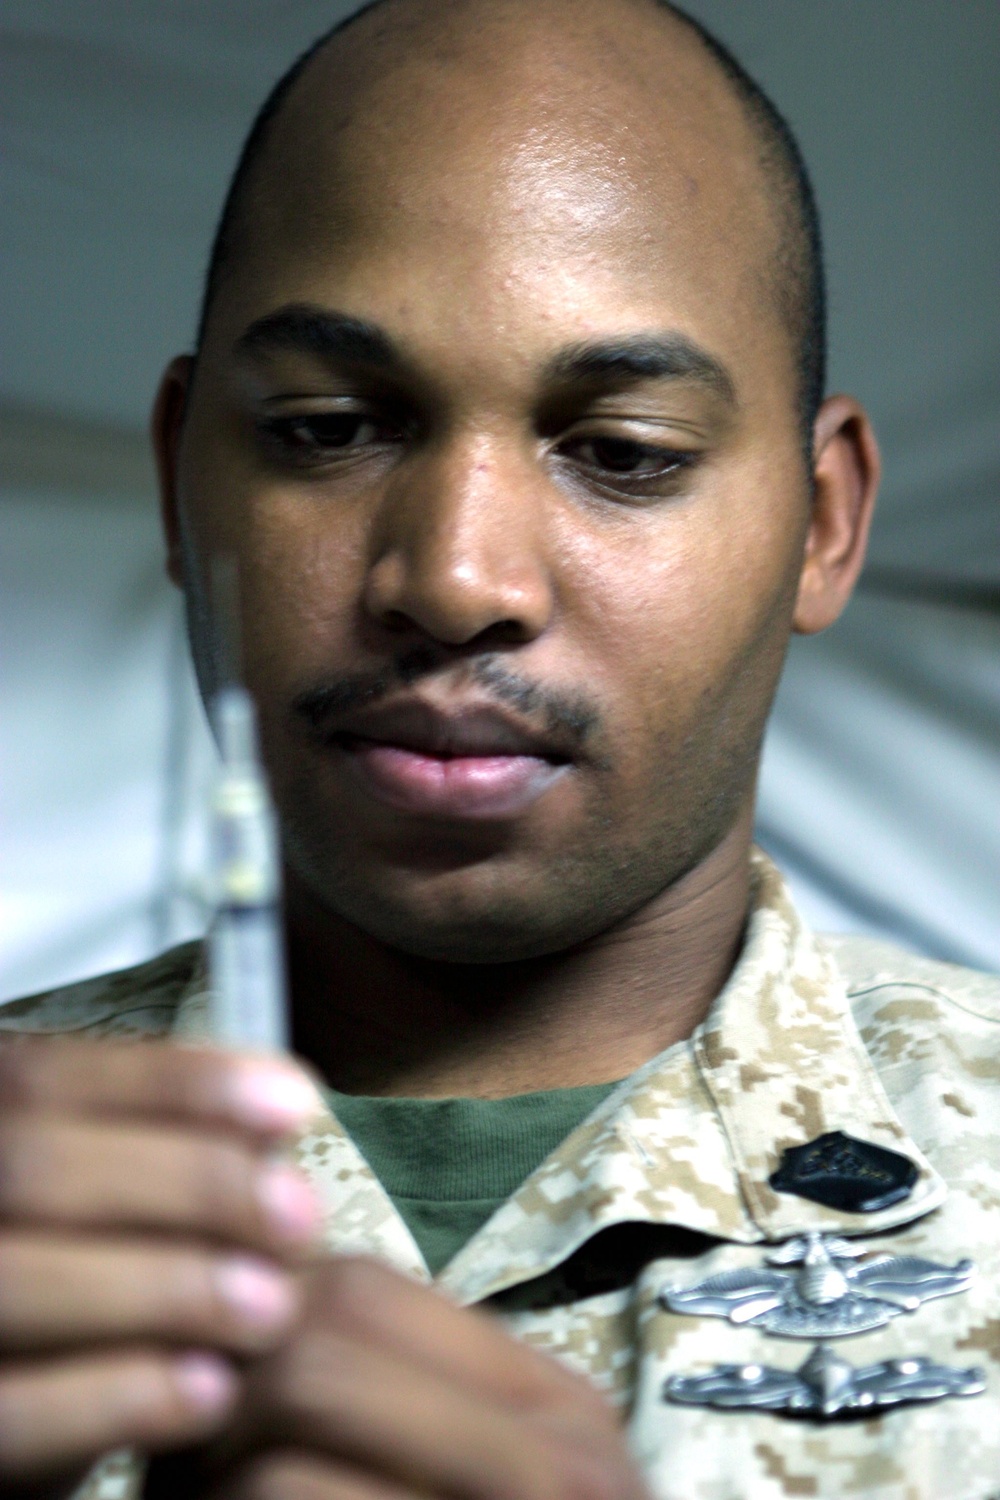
(333, 337)
(339, 338)
(643, 356)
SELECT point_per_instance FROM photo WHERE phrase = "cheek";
(677, 613)
(304, 573)
(300, 557)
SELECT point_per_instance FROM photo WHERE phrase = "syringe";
(246, 941)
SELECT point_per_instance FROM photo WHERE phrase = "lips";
(460, 762)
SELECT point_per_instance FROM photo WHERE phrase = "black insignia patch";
(841, 1172)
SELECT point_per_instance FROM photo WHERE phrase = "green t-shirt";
(448, 1164)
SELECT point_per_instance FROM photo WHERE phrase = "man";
(507, 399)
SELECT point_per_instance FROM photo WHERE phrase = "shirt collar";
(692, 1137)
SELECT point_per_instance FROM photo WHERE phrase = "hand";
(389, 1392)
(146, 1243)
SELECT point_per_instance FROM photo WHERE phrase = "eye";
(318, 437)
(318, 433)
(626, 458)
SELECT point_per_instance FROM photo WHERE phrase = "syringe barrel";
(246, 943)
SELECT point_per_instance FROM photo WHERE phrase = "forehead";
(600, 169)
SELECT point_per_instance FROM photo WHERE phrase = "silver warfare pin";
(824, 1385)
(819, 1287)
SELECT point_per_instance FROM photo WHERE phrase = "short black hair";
(801, 281)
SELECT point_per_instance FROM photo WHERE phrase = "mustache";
(571, 716)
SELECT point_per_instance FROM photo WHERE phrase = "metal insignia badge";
(824, 1385)
(818, 1287)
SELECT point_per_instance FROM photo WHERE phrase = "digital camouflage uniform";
(667, 1181)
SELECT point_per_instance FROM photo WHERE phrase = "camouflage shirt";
(667, 1182)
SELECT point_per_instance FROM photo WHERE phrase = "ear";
(166, 424)
(846, 471)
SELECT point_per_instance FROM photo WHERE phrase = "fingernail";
(206, 1383)
(270, 1098)
(289, 1203)
(258, 1294)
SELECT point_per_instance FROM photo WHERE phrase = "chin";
(485, 901)
(495, 910)
(462, 928)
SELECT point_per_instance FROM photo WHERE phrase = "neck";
(373, 1020)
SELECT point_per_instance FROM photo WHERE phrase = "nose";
(458, 549)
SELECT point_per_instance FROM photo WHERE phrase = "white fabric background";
(881, 785)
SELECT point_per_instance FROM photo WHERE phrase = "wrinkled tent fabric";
(880, 793)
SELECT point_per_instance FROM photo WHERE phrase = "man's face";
(497, 416)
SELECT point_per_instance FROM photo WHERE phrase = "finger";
(92, 1173)
(55, 1293)
(268, 1096)
(365, 1299)
(55, 1417)
(399, 1421)
(294, 1476)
